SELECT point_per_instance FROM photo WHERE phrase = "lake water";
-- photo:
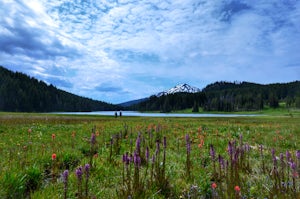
(140, 114)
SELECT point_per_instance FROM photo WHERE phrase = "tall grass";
(107, 157)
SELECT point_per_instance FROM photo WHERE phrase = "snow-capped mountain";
(180, 88)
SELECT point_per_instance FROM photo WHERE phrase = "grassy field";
(52, 156)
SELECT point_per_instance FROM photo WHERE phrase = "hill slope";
(19, 92)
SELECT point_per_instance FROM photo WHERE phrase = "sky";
(121, 50)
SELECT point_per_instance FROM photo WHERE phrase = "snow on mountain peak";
(180, 88)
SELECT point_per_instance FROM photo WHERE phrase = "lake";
(140, 114)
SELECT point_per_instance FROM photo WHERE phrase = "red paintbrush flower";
(214, 185)
(237, 188)
(53, 156)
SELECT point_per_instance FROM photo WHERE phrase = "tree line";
(19, 92)
(227, 96)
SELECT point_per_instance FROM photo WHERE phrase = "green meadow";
(66, 156)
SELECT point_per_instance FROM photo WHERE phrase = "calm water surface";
(139, 114)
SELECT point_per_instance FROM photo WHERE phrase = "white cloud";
(141, 47)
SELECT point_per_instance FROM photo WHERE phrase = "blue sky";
(120, 50)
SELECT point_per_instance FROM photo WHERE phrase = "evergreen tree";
(195, 107)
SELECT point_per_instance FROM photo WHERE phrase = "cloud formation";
(120, 50)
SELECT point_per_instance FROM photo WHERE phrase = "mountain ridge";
(180, 88)
(228, 97)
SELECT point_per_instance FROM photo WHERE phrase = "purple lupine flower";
(212, 152)
(281, 156)
(65, 176)
(93, 139)
(157, 147)
(247, 147)
(230, 149)
(127, 159)
(298, 154)
(188, 143)
(187, 138)
(236, 156)
(293, 166)
(274, 157)
(153, 159)
(273, 152)
(138, 143)
(165, 142)
(274, 161)
(221, 161)
(288, 156)
(136, 159)
(87, 168)
(147, 154)
(227, 163)
(78, 173)
(130, 158)
(124, 158)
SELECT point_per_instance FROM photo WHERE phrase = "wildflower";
(153, 159)
(247, 147)
(73, 134)
(237, 189)
(274, 157)
(200, 145)
(136, 160)
(147, 154)
(188, 143)
(212, 152)
(157, 148)
(53, 156)
(65, 176)
(138, 143)
(293, 166)
(281, 157)
(288, 156)
(87, 175)
(230, 149)
(93, 139)
(214, 185)
(78, 173)
(87, 170)
(273, 152)
(29, 130)
(221, 161)
(298, 154)
(165, 142)
(95, 155)
(53, 136)
(124, 158)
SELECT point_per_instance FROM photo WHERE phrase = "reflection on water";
(139, 114)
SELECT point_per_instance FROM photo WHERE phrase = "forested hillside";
(227, 96)
(19, 92)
